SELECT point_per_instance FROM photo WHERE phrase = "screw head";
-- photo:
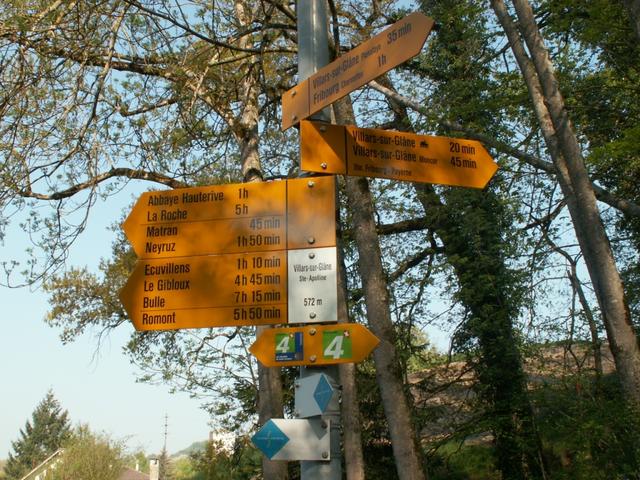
(293, 94)
(323, 165)
(312, 315)
(311, 183)
(311, 240)
(312, 331)
(325, 455)
(313, 358)
(312, 255)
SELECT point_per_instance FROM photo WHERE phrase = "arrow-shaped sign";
(314, 345)
(367, 152)
(393, 46)
(294, 439)
(207, 291)
(233, 218)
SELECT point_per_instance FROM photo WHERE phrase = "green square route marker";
(336, 344)
(288, 346)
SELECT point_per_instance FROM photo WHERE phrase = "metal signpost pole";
(313, 53)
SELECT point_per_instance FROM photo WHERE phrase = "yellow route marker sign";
(367, 152)
(314, 345)
(207, 291)
(381, 53)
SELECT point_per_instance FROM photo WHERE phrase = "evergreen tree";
(166, 472)
(45, 433)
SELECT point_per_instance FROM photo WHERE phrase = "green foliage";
(138, 461)
(165, 466)
(241, 461)
(89, 455)
(588, 431)
(45, 433)
(463, 462)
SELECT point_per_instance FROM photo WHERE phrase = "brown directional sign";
(233, 218)
(207, 291)
(218, 256)
(314, 345)
(396, 155)
(393, 46)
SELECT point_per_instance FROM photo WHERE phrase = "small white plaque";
(313, 285)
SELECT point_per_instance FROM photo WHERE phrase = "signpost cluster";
(231, 255)
(265, 253)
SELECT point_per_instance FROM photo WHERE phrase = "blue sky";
(97, 388)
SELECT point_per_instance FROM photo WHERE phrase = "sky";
(98, 389)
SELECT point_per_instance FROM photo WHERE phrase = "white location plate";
(313, 285)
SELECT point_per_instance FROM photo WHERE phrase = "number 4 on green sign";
(336, 344)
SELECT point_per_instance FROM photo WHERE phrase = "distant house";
(41, 470)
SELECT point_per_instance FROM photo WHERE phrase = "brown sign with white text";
(367, 152)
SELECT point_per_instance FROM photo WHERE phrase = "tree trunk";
(499, 368)
(270, 406)
(245, 129)
(389, 377)
(578, 192)
(351, 422)
(633, 7)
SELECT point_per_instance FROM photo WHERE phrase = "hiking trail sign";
(221, 255)
(314, 345)
(350, 150)
(381, 53)
(294, 439)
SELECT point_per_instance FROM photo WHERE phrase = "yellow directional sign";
(393, 46)
(219, 255)
(314, 345)
(405, 156)
(208, 291)
(233, 218)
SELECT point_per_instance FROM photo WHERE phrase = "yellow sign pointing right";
(367, 152)
(314, 345)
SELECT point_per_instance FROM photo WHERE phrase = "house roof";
(37, 473)
(42, 467)
(130, 474)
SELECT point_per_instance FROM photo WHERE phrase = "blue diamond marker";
(323, 393)
(270, 439)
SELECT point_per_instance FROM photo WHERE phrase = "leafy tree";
(89, 455)
(223, 462)
(45, 433)
(185, 93)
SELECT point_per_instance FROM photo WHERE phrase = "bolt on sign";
(381, 53)
(219, 255)
(314, 345)
(350, 150)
